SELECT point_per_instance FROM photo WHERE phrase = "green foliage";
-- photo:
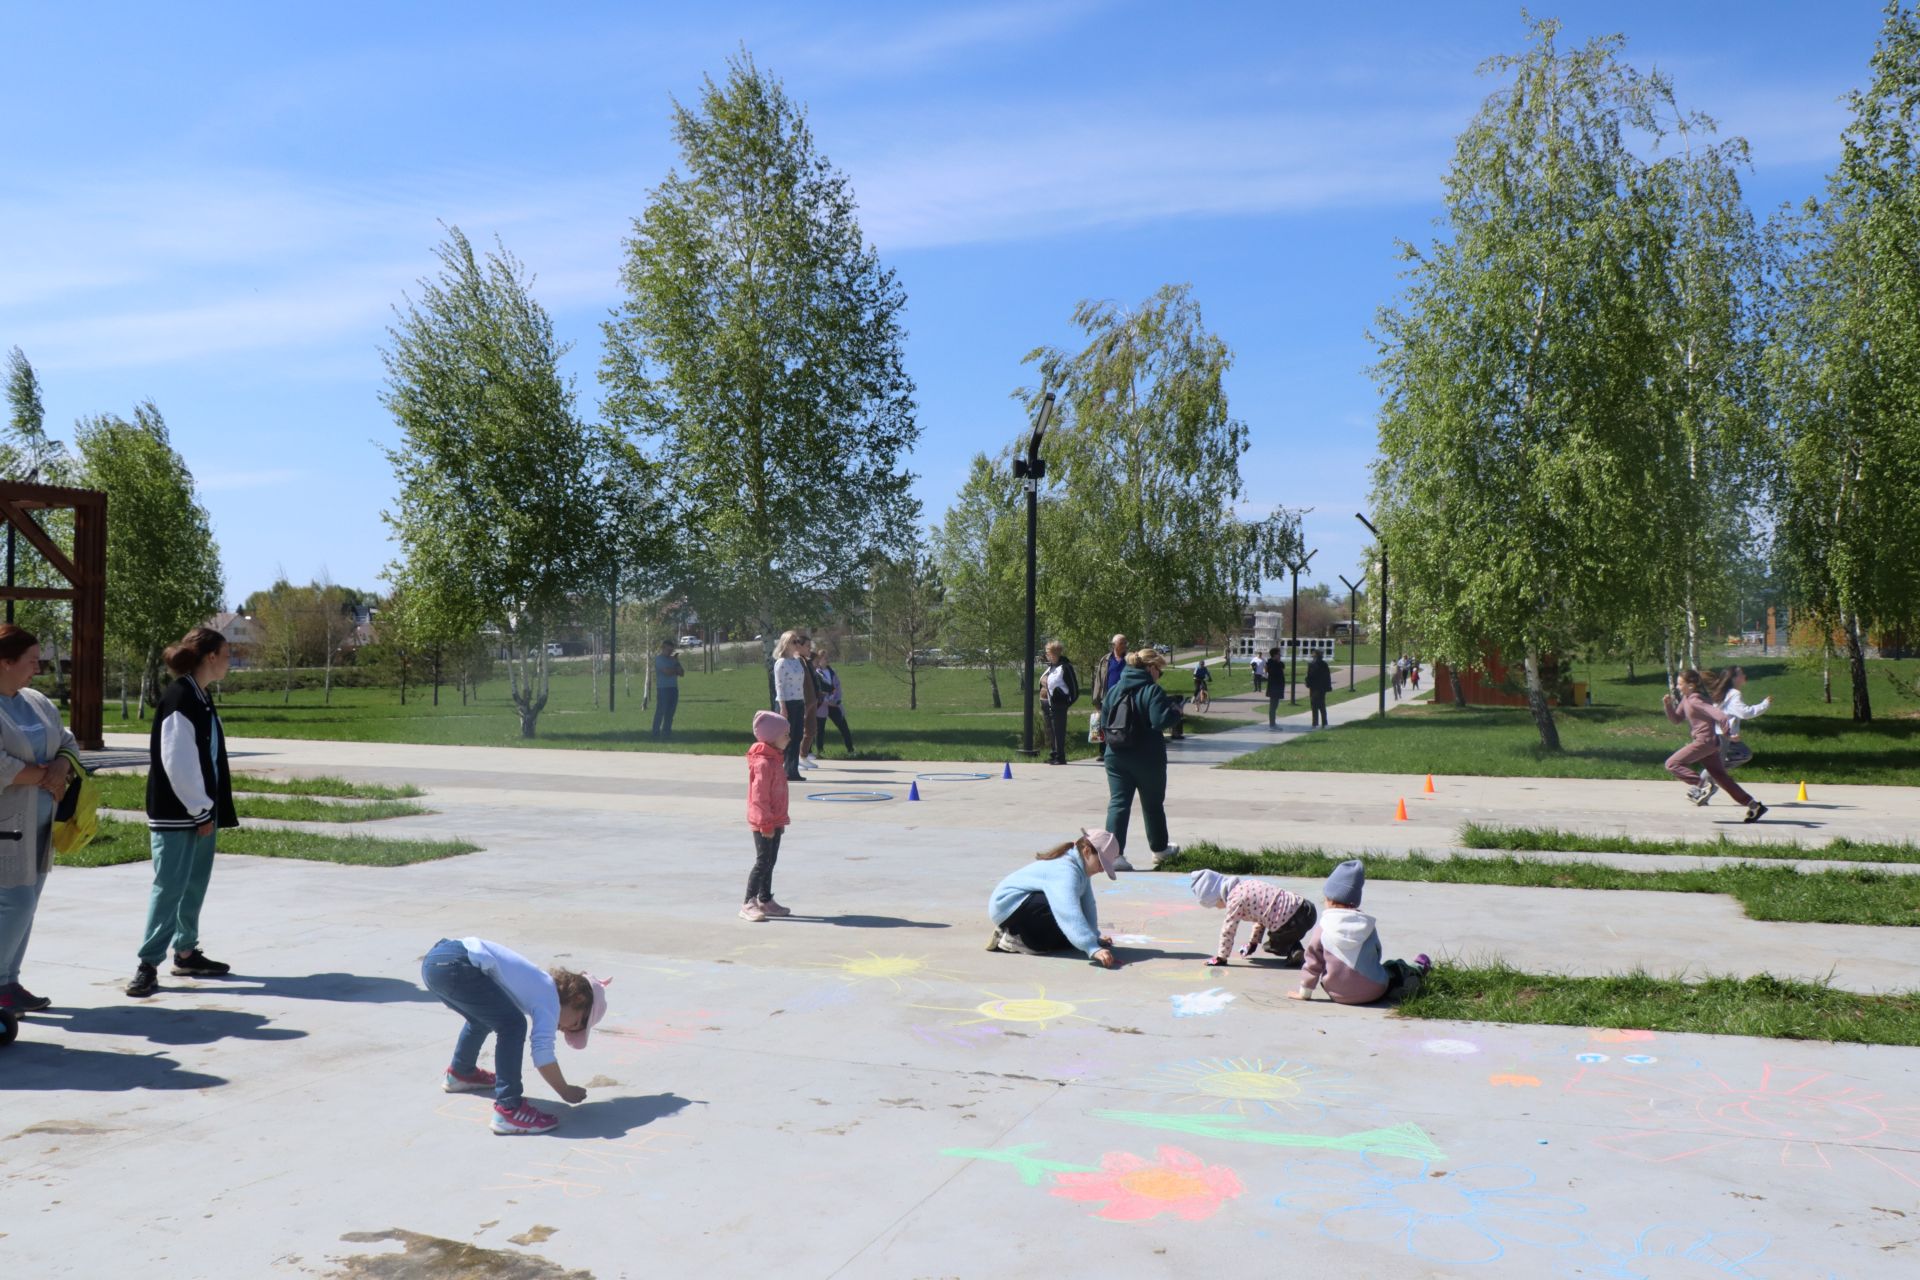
(980, 550)
(1845, 366)
(163, 567)
(1475, 835)
(758, 353)
(128, 792)
(1143, 472)
(503, 489)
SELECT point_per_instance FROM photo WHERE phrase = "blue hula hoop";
(851, 797)
(952, 777)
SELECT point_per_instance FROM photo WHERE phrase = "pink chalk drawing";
(1134, 1189)
(1808, 1116)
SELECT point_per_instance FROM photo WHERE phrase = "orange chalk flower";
(1135, 1189)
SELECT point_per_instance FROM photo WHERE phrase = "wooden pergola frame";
(86, 575)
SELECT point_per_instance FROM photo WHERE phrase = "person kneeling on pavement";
(1282, 917)
(1048, 904)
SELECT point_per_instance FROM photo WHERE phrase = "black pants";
(796, 712)
(1033, 926)
(1276, 690)
(1318, 699)
(1056, 710)
(766, 851)
(665, 703)
(839, 719)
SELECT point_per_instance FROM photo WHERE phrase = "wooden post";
(86, 575)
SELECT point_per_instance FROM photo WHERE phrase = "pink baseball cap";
(1106, 846)
(578, 1039)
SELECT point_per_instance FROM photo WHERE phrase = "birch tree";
(1513, 484)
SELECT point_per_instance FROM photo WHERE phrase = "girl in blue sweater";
(1048, 904)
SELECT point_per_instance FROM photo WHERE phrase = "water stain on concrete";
(425, 1257)
(532, 1235)
(71, 1128)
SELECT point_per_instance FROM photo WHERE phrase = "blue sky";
(215, 206)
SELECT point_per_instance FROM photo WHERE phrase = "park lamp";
(1032, 469)
(1382, 543)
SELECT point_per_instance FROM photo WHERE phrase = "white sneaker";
(1004, 941)
(1121, 864)
(812, 762)
(751, 911)
(1170, 851)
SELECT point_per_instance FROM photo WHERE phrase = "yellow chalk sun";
(1035, 1010)
(874, 967)
(1241, 1084)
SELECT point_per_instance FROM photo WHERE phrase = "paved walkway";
(1230, 744)
(862, 1091)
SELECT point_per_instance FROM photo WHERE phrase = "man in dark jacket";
(1319, 682)
(1139, 766)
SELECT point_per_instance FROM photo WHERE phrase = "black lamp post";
(1353, 630)
(1293, 656)
(1032, 469)
(1383, 607)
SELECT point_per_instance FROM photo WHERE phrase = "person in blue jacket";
(1048, 904)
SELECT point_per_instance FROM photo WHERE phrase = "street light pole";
(1353, 630)
(1383, 608)
(1031, 469)
(1293, 645)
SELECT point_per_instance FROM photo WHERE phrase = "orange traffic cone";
(1429, 784)
(1400, 814)
(1803, 791)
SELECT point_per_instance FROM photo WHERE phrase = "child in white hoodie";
(1343, 951)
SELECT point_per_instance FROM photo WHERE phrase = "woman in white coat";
(33, 778)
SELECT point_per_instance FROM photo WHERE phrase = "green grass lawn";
(1764, 1005)
(128, 791)
(1840, 896)
(955, 719)
(1474, 835)
(1625, 734)
(120, 842)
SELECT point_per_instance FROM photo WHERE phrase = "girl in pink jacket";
(1703, 721)
(766, 811)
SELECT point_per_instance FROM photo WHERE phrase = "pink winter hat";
(578, 1039)
(768, 725)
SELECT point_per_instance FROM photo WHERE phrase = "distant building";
(242, 633)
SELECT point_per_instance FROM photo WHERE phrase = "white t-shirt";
(789, 680)
(527, 985)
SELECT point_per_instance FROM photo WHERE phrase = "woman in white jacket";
(33, 777)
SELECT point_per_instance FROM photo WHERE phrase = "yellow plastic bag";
(76, 820)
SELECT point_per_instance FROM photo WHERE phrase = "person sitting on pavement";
(1282, 917)
(1343, 950)
(1047, 905)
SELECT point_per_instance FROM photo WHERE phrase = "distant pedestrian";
(34, 761)
(810, 695)
(1413, 673)
(831, 694)
(1061, 687)
(1259, 669)
(1137, 713)
(1704, 721)
(767, 761)
(189, 797)
(499, 991)
(1108, 674)
(1319, 684)
(666, 691)
(1399, 677)
(1276, 687)
(789, 690)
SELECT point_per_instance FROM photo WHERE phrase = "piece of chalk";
(1543, 1142)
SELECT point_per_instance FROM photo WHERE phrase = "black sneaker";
(1755, 810)
(21, 1000)
(146, 980)
(194, 964)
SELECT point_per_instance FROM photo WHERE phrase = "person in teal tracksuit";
(1140, 766)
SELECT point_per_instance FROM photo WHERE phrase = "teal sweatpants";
(1131, 773)
(182, 865)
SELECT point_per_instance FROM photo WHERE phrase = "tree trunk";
(1537, 704)
(1666, 645)
(286, 694)
(403, 677)
(1857, 663)
(1459, 688)
(436, 680)
(123, 690)
(913, 685)
(993, 682)
(1629, 668)
(1826, 673)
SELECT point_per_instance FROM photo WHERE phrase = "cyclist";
(1201, 679)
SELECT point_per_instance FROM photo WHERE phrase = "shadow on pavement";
(159, 1025)
(616, 1117)
(870, 922)
(31, 1064)
(347, 988)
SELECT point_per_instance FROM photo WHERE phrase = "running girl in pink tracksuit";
(1704, 721)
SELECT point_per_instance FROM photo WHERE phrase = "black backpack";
(1117, 725)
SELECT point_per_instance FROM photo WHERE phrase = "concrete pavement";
(863, 1091)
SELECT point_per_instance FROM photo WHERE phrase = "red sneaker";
(525, 1118)
(479, 1080)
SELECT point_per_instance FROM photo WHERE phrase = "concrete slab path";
(863, 1091)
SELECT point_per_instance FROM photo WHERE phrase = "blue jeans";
(182, 866)
(665, 703)
(17, 906)
(465, 988)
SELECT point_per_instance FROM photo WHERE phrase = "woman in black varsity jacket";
(189, 796)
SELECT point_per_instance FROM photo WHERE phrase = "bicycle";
(1201, 700)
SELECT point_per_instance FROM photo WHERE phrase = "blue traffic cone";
(913, 791)
(1007, 771)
